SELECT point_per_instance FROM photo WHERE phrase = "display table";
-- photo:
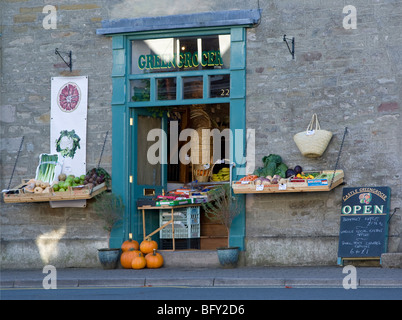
(171, 222)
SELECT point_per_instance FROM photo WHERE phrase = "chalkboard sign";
(364, 223)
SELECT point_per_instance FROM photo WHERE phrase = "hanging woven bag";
(313, 142)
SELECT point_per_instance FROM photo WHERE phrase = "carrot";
(249, 178)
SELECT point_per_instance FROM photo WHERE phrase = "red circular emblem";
(69, 97)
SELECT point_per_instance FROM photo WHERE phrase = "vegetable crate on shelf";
(186, 223)
(321, 183)
(19, 195)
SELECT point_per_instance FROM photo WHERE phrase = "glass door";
(148, 166)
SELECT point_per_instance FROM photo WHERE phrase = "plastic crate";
(181, 231)
(190, 215)
(186, 223)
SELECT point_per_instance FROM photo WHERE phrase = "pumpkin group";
(142, 256)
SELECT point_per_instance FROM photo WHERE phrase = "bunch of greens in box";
(273, 165)
(47, 167)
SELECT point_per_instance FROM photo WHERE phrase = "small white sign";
(259, 187)
(282, 186)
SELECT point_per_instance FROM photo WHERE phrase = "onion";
(38, 190)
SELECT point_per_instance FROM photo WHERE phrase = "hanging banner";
(68, 124)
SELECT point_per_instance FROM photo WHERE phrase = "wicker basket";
(313, 142)
(201, 174)
(201, 147)
(201, 144)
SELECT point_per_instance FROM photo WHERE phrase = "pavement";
(289, 277)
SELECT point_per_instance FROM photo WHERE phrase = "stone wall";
(350, 78)
(33, 235)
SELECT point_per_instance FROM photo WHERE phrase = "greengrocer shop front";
(172, 74)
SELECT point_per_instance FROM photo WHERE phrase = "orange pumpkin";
(127, 257)
(148, 245)
(154, 260)
(139, 262)
(130, 244)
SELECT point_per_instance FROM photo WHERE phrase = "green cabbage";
(273, 165)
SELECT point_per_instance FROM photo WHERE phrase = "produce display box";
(199, 199)
(173, 202)
(18, 194)
(320, 183)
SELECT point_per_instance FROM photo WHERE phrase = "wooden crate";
(243, 186)
(293, 187)
(18, 195)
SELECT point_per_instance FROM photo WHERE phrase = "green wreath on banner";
(70, 150)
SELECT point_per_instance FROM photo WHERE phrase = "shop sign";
(365, 200)
(183, 60)
(364, 223)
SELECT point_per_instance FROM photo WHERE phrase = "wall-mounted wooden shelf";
(17, 195)
(251, 188)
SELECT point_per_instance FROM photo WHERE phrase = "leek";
(47, 168)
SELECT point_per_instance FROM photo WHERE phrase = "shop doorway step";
(190, 259)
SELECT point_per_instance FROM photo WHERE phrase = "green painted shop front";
(137, 78)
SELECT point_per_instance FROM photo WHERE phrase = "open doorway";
(190, 168)
(197, 118)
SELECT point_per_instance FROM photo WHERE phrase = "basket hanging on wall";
(313, 142)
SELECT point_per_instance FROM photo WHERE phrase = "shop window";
(148, 172)
(204, 57)
(140, 90)
(193, 87)
(219, 86)
(180, 54)
(166, 88)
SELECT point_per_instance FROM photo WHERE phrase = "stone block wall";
(33, 235)
(350, 78)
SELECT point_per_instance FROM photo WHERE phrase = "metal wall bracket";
(292, 51)
(69, 64)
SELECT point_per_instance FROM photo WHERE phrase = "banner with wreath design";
(68, 124)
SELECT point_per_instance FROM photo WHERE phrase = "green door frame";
(121, 110)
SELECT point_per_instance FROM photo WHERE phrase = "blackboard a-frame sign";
(364, 223)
